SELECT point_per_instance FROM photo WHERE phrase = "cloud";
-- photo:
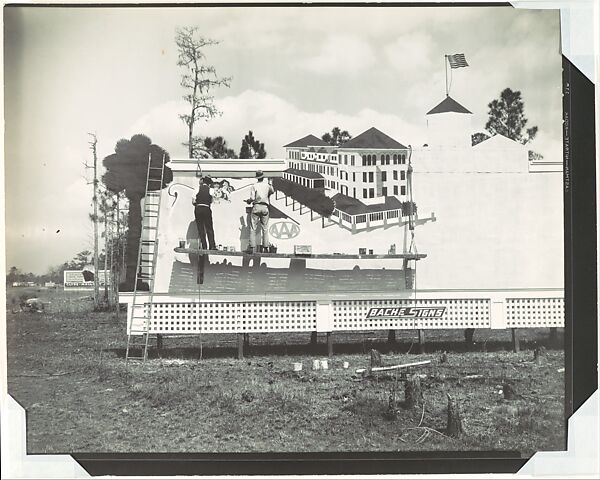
(341, 54)
(412, 52)
(273, 120)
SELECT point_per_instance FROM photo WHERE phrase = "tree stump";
(444, 358)
(509, 392)
(454, 427)
(376, 360)
(539, 354)
(413, 395)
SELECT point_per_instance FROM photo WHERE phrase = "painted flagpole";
(446, 72)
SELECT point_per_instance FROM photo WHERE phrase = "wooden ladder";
(138, 334)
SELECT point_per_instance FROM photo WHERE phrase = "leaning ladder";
(138, 335)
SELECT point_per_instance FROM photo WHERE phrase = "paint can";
(181, 243)
(324, 365)
(362, 251)
(316, 365)
(297, 366)
(370, 251)
(346, 364)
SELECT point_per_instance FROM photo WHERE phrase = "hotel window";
(402, 190)
(395, 189)
(354, 192)
(395, 174)
(382, 159)
(361, 218)
(402, 175)
(364, 160)
(376, 216)
(387, 159)
(395, 159)
(354, 176)
(341, 175)
(370, 177)
(346, 159)
(392, 214)
(384, 191)
(364, 193)
(352, 160)
(383, 176)
(371, 193)
(364, 177)
(403, 159)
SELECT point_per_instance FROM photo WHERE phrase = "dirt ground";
(66, 367)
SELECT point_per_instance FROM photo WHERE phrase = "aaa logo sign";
(284, 230)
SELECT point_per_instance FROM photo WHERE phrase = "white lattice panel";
(220, 317)
(535, 312)
(459, 313)
(278, 316)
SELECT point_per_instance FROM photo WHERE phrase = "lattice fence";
(173, 317)
(535, 312)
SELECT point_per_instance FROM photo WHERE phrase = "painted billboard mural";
(291, 225)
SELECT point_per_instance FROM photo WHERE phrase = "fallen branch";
(393, 367)
(60, 374)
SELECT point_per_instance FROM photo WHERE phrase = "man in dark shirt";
(203, 213)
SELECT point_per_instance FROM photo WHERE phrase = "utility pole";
(92, 144)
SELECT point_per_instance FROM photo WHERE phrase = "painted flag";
(457, 60)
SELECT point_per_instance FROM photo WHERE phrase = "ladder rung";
(156, 168)
(148, 242)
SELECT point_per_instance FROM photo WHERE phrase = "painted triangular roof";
(448, 104)
(309, 140)
(372, 138)
(496, 140)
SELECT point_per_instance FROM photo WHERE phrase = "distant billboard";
(84, 279)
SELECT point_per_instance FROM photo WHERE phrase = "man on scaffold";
(203, 213)
(259, 198)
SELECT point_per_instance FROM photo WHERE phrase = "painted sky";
(112, 71)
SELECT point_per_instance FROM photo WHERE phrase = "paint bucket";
(297, 366)
(324, 365)
(370, 251)
(362, 251)
(181, 243)
(316, 365)
(346, 364)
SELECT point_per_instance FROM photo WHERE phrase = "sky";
(295, 71)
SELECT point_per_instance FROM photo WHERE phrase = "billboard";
(84, 279)
(316, 251)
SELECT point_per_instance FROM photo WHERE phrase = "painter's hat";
(260, 174)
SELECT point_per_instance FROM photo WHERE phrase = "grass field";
(66, 367)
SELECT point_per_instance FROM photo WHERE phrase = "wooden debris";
(509, 392)
(393, 367)
(454, 427)
(472, 377)
(539, 354)
(376, 360)
(444, 358)
(413, 395)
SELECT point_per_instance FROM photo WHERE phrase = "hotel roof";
(352, 206)
(308, 141)
(372, 138)
(448, 105)
(303, 173)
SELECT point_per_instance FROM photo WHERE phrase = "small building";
(354, 215)
(306, 178)
(449, 125)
